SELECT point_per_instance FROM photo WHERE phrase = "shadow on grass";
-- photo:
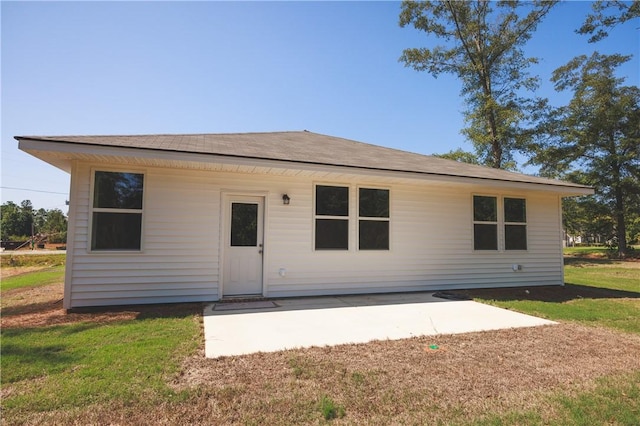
(32, 308)
(166, 310)
(549, 293)
(589, 261)
(49, 313)
(47, 359)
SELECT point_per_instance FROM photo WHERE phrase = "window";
(117, 211)
(485, 223)
(515, 224)
(332, 218)
(244, 225)
(373, 219)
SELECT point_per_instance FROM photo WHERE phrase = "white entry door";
(243, 246)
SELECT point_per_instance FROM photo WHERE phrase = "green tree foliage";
(586, 216)
(607, 14)
(595, 139)
(17, 220)
(460, 156)
(482, 47)
(11, 220)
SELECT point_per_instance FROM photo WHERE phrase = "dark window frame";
(114, 216)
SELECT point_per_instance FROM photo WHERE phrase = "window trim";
(475, 222)
(373, 218)
(500, 223)
(93, 210)
(525, 224)
(317, 217)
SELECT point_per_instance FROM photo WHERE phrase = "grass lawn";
(144, 364)
(597, 292)
(45, 276)
(87, 363)
(599, 251)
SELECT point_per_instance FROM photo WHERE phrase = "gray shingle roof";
(303, 147)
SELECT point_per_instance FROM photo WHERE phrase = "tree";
(40, 219)
(460, 156)
(597, 135)
(587, 216)
(11, 225)
(607, 14)
(18, 219)
(55, 226)
(483, 49)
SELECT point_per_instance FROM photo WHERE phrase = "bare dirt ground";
(42, 306)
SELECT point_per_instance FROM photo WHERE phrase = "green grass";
(330, 410)
(583, 251)
(611, 275)
(77, 365)
(33, 279)
(613, 401)
(621, 312)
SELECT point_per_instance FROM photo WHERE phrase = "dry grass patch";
(402, 381)
(470, 376)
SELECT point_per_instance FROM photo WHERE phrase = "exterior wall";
(431, 240)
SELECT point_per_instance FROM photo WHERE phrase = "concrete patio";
(273, 325)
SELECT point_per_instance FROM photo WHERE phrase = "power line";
(34, 190)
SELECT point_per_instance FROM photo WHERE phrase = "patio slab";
(320, 321)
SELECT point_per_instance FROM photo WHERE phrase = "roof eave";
(37, 147)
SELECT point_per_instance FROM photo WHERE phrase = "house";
(185, 218)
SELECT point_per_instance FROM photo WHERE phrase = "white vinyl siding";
(180, 257)
(431, 234)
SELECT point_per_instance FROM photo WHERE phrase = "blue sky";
(72, 68)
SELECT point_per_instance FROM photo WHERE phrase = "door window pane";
(244, 225)
(116, 190)
(332, 234)
(116, 231)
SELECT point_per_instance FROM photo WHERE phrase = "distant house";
(182, 218)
